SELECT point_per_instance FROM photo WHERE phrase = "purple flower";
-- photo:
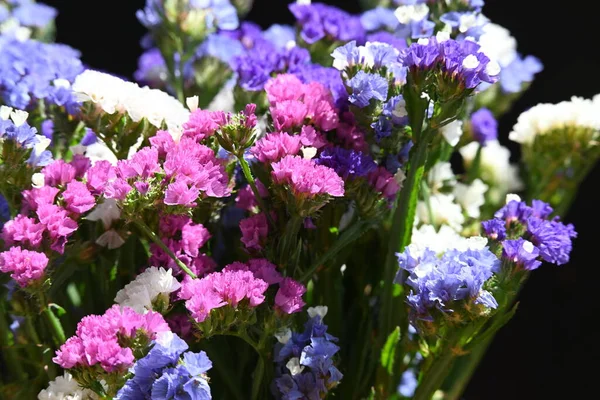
(379, 18)
(494, 229)
(552, 238)
(484, 126)
(389, 38)
(179, 193)
(365, 87)
(152, 69)
(319, 21)
(520, 71)
(347, 163)
(522, 253)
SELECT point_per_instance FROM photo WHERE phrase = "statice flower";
(528, 234)
(149, 290)
(24, 266)
(14, 129)
(289, 296)
(107, 94)
(319, 21)
(99, 339)
(459, 61)
(384, 182)
(305, 362)
(168, 371)
(254, 231)
(33, 70)
(365, 87)
(326, 76)
(205, 15)
(236, 289)
(346, 163)
(471, 197)
(65, 387)
(294, 104)
(444, 210)
(379, 18)
(261, 268)
(274, 146)
(152, 69)
(439, 240)
(484, 126)
(448, 283)
(414, 22)
(306, 178)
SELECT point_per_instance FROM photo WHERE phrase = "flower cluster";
(449, 283)
(15, 130)
(319, 21)
(168, 371)
(149, 291)
(305, 361)
(528, 234)
(24, 18)
(32, 71)
(110, 340)
(307, 178)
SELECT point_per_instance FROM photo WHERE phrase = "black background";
(536, 356)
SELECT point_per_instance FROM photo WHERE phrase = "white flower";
(471, 197)
(309, 152)
(5, 112)
(426, 237)
(444, 34)
(37, 180)
(321, 311)
(497, 43)
(294, 366)
(452, 132)
(65, 387)
(141, 292)
(283, 335)
(110, 239)
(470, 62)
(112, 95)
(223, 101)
(19, 117)
(495, 168)
(543, 118)
(444, 211)
(439, 175)
(416, 12)
(511, 196)
(98, 152)
(108, 211)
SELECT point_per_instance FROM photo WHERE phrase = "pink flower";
(201, 125)
(289, 296)
(384, 182)
(78, 198)
(245, 198)
(23, 230)
(178, 193)
(201, 297)
(275, 146)
(310, 137)
(24, 266)
(193, 237)
(320, 106)
(288, 114)
(117, 189)
(144, 164)
(36, 197)
(169, 225)
(58, 173)
(202, 265)
(58, 225)
(254, 231)
(163, 142)
(307, 178)
(81, 164)
(71, 353)
(99, 175)
(284, 87)
(265, 270)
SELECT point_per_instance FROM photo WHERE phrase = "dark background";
(534, 356)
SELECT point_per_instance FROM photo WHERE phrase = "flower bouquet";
(305, 211)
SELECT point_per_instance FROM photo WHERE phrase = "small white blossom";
(511, 196)
(139, 293)
(470, 62)
(444, 211)
(19, 117)
(108, 211)
(283, 335)
(294, 366)
(100, 152)
(471, 197)
(65, 387)
(321, 311)
(452, 132)
(497, 43)
(309, 152)
(37, 180)
(446, 238)
(416, 12)
(439, 175)
(192, 103)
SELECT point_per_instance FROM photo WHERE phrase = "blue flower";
(552, 238)
(319, 21)
(522, 253)
(221, 47)
(519, 72)
(379, 18)
(408, 383)
(327, 76)
(346, 163)
(494, 229)
(389, 38)
(35, 15)
(484, 126)
(280, 35)
(196, 363)
(365, 87)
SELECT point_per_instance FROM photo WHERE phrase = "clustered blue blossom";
(316, 373)
(319, 21)
(24, 137)
(528, 234)
(392, 114)
(32, 70)
(379, 18)
(365, 87)
(484, 126)
(438, 283)
(347, 163)
(520, 71)
(457, 60)
(28, 13)
(168, 372)
(219, 14)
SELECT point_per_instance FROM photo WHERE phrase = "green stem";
(435, 375)
(154, 237)
(355, 231)
(466, 367)
(257, 377)
(9, 353)
(58, 333)
(248, 175)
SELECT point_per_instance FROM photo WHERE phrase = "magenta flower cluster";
(306, 178)
(99, 339)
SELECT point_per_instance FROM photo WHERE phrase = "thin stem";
(152, 236)
(435, 375)
(348, 236)
(248, 175)
(9, 353)
(56, 329)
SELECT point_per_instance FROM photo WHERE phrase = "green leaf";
(59, 310)
(389, 351)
